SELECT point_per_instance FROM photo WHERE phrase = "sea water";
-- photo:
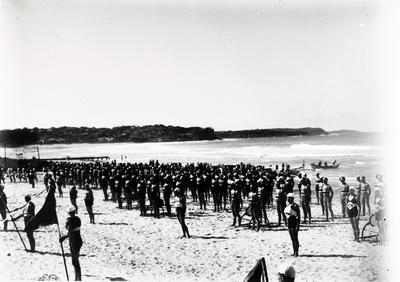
(357, 153)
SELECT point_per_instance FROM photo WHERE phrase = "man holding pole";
(28, 213)
(75, 241)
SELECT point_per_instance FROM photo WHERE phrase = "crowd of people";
(157, 185)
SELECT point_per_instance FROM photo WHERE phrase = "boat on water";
(324, 166)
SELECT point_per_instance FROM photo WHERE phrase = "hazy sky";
(225, 64)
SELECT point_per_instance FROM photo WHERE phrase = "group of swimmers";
(157, 185)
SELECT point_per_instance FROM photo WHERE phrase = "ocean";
(357, 153)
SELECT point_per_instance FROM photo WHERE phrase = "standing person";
(215, 193)
(73, 195)
(327, 196)
(73, 225)
(280, 199)
(31, 178)
(155, 199)
(118, 191)
(365, 190)
(167, 196)
(89, 200)
(379, 214)
(344, 192)
(28, 212)
(235, 204)
(142, 197)
(200, 183)
(317, 188)
(353, 213)
(180, 206)
(46, 178)
(3, 207)
(112, 187)
(262, 194)
(254, 208)
(305, 198)
(358, 193)
(104, 187)
(128, 194)
(292, 212)
(59, 185)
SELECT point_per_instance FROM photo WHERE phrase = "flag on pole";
(47, 215)
(258, 273)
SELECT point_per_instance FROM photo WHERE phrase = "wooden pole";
(62, 251)
(37, 148)
(5, 158)
(15, 225)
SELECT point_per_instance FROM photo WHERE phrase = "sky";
(224, 64)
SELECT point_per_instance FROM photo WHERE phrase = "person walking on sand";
(344, 192)
(365, 190)
(327, 196)
(292, 212)
(73, 226)
(180, 207)
(89, 200)
(353, 213)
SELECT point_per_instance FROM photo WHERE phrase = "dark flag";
(46, 215)
(258, 273)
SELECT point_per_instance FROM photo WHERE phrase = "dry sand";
(123, 245)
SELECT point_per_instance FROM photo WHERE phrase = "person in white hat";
(73, 226)
(286, 272)
(292, 212)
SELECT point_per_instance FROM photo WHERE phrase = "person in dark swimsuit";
(254, 208)
(73, 195)
(292, 212)
(353, 213)
(73, 225)
(235, 204)
(89, 200)
(344, 192)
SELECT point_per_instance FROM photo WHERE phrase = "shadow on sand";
(331, 256)
(209, 237)
(56, 254)
(112, 223)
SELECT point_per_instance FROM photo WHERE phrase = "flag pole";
(62, 250)
(15, 225)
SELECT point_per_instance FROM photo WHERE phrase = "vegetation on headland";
(137, 134)
(273, 132)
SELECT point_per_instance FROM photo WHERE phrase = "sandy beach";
(124, 246)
